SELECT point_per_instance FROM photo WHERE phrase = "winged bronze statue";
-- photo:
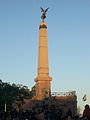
(43, 13)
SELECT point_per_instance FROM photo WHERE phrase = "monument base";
(63, 102)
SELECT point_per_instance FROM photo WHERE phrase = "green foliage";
(12, 93)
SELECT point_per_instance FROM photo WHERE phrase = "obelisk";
(43, 80)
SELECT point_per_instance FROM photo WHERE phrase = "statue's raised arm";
(43, 13)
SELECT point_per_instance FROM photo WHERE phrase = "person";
(27, 115)
(40, 115)
(69, 114)
(86, 112)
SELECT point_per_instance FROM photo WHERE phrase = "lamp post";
(5, 107)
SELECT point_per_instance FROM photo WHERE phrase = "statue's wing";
(42, 10)
(46, 10)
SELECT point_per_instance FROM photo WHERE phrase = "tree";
(12, 93)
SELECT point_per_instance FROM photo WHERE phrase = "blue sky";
(68, 38)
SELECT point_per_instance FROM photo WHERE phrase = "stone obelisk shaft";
(43, 80)
(43, 68)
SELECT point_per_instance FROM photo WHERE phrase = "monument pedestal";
(43, 85)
